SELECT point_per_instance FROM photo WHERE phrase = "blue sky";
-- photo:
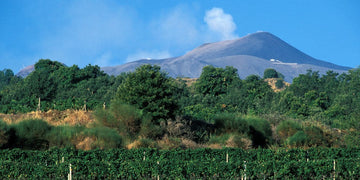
(113, 32)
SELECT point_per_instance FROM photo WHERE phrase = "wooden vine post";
(227, 157)
(158, 164)
(70, 172)
(39, 105)
(244, 176)
(334, 170)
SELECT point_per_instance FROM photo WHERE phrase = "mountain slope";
(251, 54)
(262, 45)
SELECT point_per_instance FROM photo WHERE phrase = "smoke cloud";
(220, 22)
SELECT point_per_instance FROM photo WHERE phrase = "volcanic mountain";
(251, 54)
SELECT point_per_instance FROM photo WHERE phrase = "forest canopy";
(217, 108)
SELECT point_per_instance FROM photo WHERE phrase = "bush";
(279, 83)
(260, 132)
(287, 128)
(219, 139)
(32, 133)
(105, 138)
(227, 123)
(298, 139)
(316, 137)
(149, 130)
(352, 139)
(4, 133)
(125, 118)
(62, 136)
(310, 137)
(231, 140)
(237, 141)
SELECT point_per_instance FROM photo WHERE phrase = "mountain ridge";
(250, 54)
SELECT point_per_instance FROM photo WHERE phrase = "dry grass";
(134, 144)
(169, 143)
(79, 117)
(143, 143)
(189, 81)
(214, 146)
(272, 82)
(237, 142)
(189, 144)
(85, 143)
(53, 117)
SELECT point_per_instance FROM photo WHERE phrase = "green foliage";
(305, 83)
(287, 129)
(150, 90)
(146, 163)
(260, 131)
(279, 84)
(4, 133)
(144, 100)
(257, 95)
(63, 136)
(6, 76)
(32, 133)
(311, 136)
(227, 123)
(216, 81)
(298, 139)
(150, 130)
(106, 138)
(316, 137)
(122, 117)
(272, 73)
(201, 112)
(352, 139)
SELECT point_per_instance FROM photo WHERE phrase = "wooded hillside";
(147, 108)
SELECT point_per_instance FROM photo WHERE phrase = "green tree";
(217, 81)
(258, 94)
(151, 90)
(306, 82)
(5, 77)
(279, 83)
(270, 73)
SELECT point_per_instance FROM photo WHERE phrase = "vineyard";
(313, 163)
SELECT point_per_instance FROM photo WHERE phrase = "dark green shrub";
(270, 73)
(4, 133)
(128, 116)
(279, 83)
(62, 136)
(298, 139)
(125, 118)
(352, 139)
(150, 130)
(316, 137)
(287, 128)
(105, 138)
(310, 137)
(230, 123)
(260, 132)
(32, 133)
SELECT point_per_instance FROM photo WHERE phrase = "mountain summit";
(251, 54)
